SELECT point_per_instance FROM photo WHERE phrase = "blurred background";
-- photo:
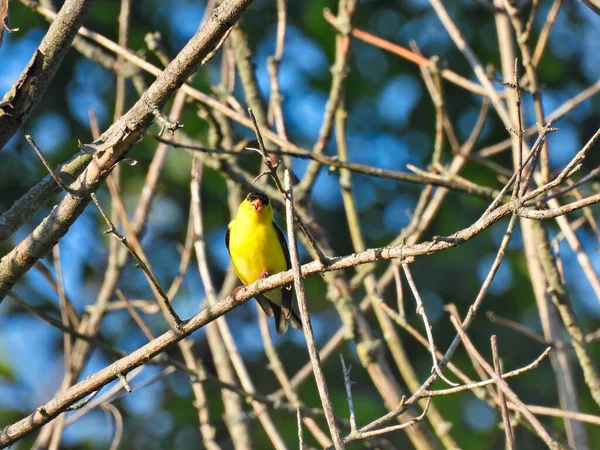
(391, 123)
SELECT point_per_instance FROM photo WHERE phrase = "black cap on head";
(258, 196)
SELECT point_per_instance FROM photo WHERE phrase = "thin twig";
(165, 303)
(360, 435)
(510, 440)
(303, 308)
(399, 291)
(134, 314)
(348, 385)
(47, 165)
(300, 433)
(116, 441)
(346, 10)
(555, 412)
(552, 444)
(64, 306)
(559, 112)
(540, 47)
(423, 314)
(226, 335)
(405, 53)
(278, 369)
(473, 386)
(272, 170)
(333, 162)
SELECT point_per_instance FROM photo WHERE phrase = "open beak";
(257, 204)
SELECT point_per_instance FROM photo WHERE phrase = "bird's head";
(257, 205)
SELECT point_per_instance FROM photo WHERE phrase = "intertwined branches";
(529, 195)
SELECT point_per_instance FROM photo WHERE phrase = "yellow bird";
(258, 248)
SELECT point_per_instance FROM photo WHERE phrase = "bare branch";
(510, 441)
(31, 86)
(308, 332)
(552, 444)
(116, 142)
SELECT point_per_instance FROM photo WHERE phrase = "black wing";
(284, 246)
(287, 294)
(227, 240)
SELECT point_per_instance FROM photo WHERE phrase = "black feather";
(258, 196)
(287, 294)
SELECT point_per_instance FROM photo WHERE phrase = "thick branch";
(114, 144)
(29, 89)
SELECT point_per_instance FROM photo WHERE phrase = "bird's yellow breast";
(255, 247)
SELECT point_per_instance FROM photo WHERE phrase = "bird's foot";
(236, 291)
(263, 274)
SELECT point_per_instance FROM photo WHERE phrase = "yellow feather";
(254, 246)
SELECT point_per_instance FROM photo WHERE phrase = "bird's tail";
(282, 322)
(295, 320)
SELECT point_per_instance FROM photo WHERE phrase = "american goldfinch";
(258, 248)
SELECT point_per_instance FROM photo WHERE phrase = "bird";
(257, 248)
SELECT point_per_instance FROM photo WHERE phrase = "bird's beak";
(257, 204)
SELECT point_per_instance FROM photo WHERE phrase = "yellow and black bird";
(258, 248)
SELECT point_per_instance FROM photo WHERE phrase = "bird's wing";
(227, 237)
(267, 306)
(281, 322)
(287, 294)
(284, 246)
